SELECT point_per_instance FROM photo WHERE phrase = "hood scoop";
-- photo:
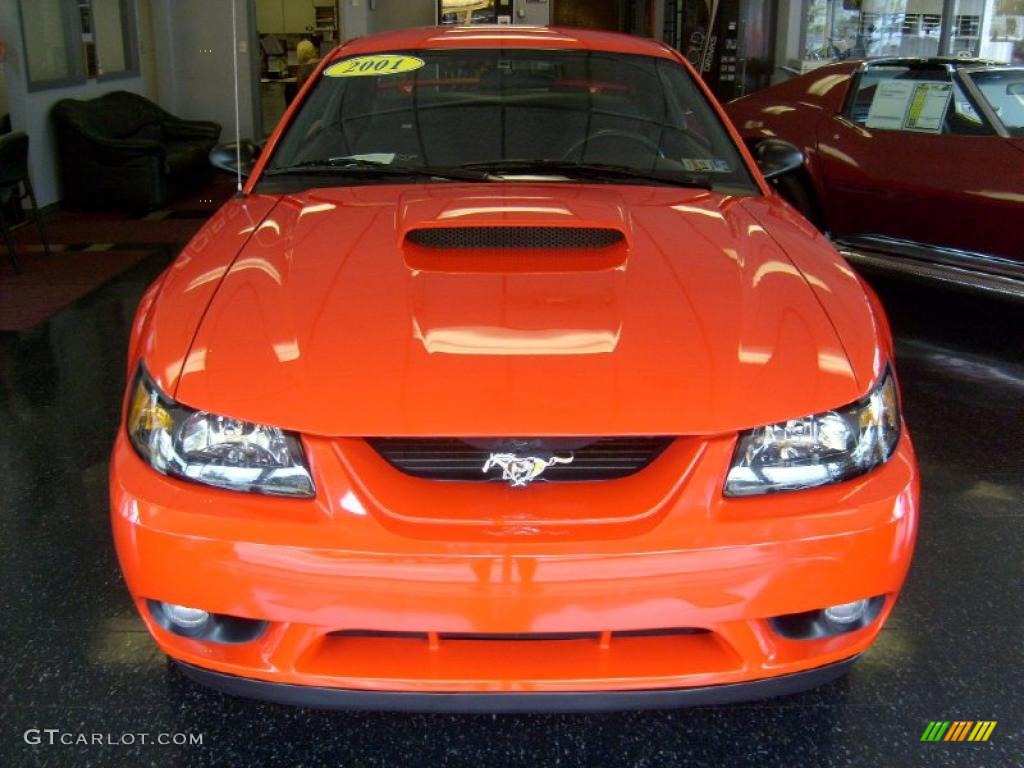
(516, 237)
(509, 231)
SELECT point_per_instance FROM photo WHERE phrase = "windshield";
(1004, 90)
(515, 113)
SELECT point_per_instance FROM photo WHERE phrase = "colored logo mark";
(958, 730)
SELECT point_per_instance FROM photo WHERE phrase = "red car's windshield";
(524, 111)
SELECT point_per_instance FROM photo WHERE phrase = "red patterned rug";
(89, 249)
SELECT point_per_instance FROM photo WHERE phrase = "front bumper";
(671, 609)
(509, 703)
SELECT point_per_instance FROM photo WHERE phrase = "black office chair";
(15, 186)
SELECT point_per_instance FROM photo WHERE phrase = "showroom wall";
(195, 75)
(358, 18)
(30, 111)
(395, 14)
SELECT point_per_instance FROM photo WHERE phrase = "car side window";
(914, 100)
(1004, 91)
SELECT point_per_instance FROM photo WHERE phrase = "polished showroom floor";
(74, 657)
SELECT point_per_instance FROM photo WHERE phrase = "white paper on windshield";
(384, 158)
(705, 164)
(910, 105)
(928, 107)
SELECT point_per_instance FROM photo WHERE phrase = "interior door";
(918, 164)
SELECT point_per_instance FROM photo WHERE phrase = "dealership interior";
(895, 128)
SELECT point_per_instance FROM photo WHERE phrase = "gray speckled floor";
(74, 657)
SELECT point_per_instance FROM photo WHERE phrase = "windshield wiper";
(494, 170)
(592, 171)
(362, 166)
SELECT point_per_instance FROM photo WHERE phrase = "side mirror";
(776, 157)
(225, 157)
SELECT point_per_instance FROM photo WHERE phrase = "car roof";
(504, 36)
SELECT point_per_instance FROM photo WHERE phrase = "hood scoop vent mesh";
(516, 237)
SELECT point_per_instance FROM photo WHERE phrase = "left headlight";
(216, 450)
(817, 450)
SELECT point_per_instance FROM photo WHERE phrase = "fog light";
(183, 617)
(847, 613)
(197, 624)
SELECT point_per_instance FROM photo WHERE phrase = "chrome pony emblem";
(520, 471)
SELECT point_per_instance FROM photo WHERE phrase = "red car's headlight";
(215, 450)
(817, 450)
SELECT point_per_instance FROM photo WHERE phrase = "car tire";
(796, 189)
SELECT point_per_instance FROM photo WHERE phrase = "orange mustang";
(509, 384)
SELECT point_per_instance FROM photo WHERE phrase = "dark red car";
(912, 165)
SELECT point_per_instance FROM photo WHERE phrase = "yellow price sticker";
(375, 66)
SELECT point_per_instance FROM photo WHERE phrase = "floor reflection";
(75, 657)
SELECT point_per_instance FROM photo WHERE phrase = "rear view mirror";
(225, 157)
(1015, 89)
(776, 157)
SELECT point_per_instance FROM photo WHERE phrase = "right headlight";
(214, 450)
(817, 450)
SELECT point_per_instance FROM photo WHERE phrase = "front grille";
(606, 458)
(515, 237)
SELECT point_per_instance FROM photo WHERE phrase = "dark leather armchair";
(123, 151)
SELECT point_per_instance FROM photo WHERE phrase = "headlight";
(215, 450)
(817, 450)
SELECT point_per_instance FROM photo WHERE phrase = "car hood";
(339, 318)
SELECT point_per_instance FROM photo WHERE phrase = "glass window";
(1005, 41)
(48, 34)
(1004, 91)
(920, 99)
(492, 106)
(467, 12)
(839, 29)
(69, 41)
(114, 37)
(830, 31)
